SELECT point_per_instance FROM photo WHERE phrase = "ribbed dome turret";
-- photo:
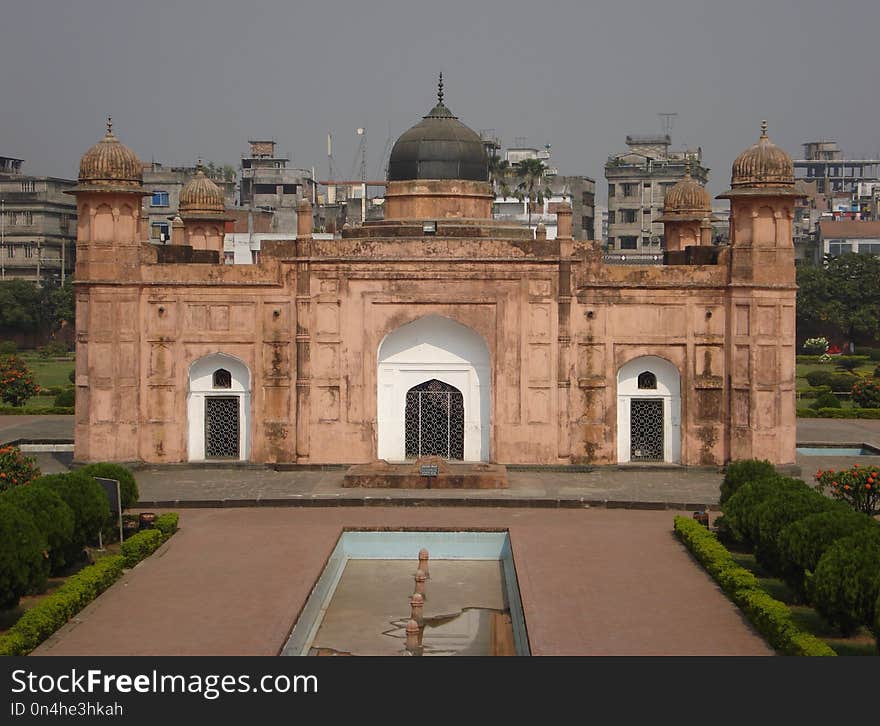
(110, 164)
(200, 195)
(763, 165)
(688, 197)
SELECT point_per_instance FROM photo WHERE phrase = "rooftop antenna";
(668, 120)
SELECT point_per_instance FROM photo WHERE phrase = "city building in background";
(268, 183)
(834, 189)
(37, 225)
(638, 180)
(837, 237)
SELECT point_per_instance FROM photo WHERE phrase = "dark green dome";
(439, 147)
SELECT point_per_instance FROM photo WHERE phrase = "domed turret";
(201, 196)
(110, 164)
(762, 169)
(687, 199)
(439, 147)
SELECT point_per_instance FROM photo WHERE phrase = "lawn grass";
(860, 643)
(51, 372)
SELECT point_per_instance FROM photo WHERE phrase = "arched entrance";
(218, 409)
(648, 411)
(437, 369)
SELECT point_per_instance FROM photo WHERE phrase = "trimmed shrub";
(65, 398)
(46, 617)
(167, 523)
(775, 513)
(815, 346)
(141, 545)
(843, 382)
(872, 353)
(17, 383)
(36, 411)
(740, 511)
(866, 394)
(738, 473)
(846, 584)
(802, 543)
(770, 617)
(87, 500)
(127, 485)
(16, 469)
(8, 347)
(851, 362)
(53, 349)
(826, 400)
(72, 376)
(819, 378)
(23, 565)
(865, 413)
(52, 516)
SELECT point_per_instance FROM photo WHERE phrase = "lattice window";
(222, 378)
(647, 380)
(221, 427)
(434, 421)
(646, 430)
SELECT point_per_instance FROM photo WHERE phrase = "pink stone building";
(437, 330)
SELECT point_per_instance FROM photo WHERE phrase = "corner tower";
(761, 320)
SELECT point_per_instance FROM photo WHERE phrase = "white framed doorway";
(648, 411)
(218, 409)
(439, 352)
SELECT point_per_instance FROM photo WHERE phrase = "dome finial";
(687, 167)
(109, 126)
(440, 89)
(764, 129)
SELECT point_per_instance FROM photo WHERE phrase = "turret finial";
(440, 89)
(109, 126)
(764, 129)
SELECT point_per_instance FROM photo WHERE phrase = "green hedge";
(43, 619)
(819, 378)
(80, 589)
(779, 510)
(770, 617)
(872, 413)
(141, 545)
(741, 510)
(36, 411)
(89, 503)
(167, 523)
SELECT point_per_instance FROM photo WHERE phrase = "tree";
(60, 304)
(531, 186)
(499, 173)
(17, 383)
(843, 292)
(21, 305)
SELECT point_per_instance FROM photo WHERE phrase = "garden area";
(837, 385)
(36, 381)
(802, 562)
(60, 544)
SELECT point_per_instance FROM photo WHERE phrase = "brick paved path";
(593, 582)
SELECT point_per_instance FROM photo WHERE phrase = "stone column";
(303, 317)
(563, 382)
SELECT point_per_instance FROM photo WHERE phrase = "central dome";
(439, 147)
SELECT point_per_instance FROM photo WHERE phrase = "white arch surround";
(200, 385)
(432, 347)
(668, 389)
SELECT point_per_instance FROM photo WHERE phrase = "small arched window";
(222, 378)
(647, 380)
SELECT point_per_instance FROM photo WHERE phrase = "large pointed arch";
(433, 348)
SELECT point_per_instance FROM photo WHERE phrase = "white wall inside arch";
(433, 347)
(668, 389)
(200, 386)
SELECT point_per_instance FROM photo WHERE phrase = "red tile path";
(593, 582)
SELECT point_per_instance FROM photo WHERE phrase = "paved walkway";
(593, 582)
(674, 487)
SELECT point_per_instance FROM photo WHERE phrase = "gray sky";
(190, 78)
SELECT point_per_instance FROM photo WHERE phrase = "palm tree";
(531, 186)
(499, 172)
